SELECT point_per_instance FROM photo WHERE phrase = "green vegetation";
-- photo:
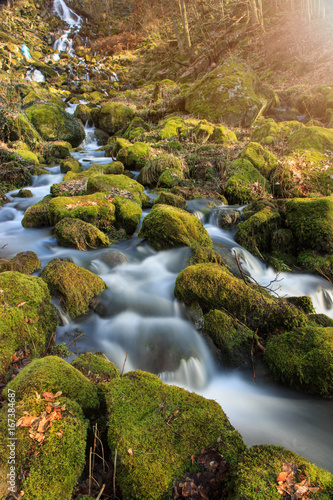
(25, 262)
(79, 234)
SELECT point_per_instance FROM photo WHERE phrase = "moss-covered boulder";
(270, 132)
(311, 221)
(114, 116)
(318, 138)
(37, 215)
(97, 209)
(113, 168)
(96, 367)
(18, 128)
(83, 113)
(201, 255)
(79, 234)
(24, 193)
(134, 156)
(54, 124)
(315, 262)
(170, 199)
(136, 128)
(222, 135)
(255, 234)
(53, 374)
(230, 94)
(264, 161)
(170, 178)
(116, 185)
(214, 287)
(150, 173)
(128, 213)
(70, 165)
(5, 265)
(25, 262)
(27, 316)
(172, 422)
(303, 359)
(74, 285)
(54, 465)
(167, 227)
(232, 338)
(255, 475)
(57, 150)
(245, 183)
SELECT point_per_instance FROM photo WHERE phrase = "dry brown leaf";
(26, 421)
(130, 452)
(21, 304)
(49, 396)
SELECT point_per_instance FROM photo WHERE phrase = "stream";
(139, 314)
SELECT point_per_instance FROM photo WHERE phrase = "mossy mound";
(318, 138)
(170, 178)
(54, 466)
(54, 124)
(19, 128)
(136, 128)
(128, 214)
(311, 222)
(37, 215)
(201, 255)
(74, 285)
(150, 174)
(245, 183)
(53, 374)
(255, 234)
(96, 367)
(172, 126)
(32, 323)
(222, 135)
(134, 156)
(116, 185)
(315, 262)
(29, 156)
(70, 165)
(15, 171)
(97, 209)
(113, 116)
(114, 168)
(57, 150)
(230, 337)
(257, 470)
(303, 359)
(5, 265)
(269, 131)
(170, 199)
(261, 159)
(83, 113)
(227, 94)
(116, 144)
(25, 262)
(172, 422)
(24, 193)
(167, 227)
(79, 234)
(214, 287)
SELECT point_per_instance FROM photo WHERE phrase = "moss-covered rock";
(57, 150)
(97, 209)
(128, 213)
(170, 178)
(24, 193)
(171, 127)
(269, 132)
(74, 285)
(79, 234)
(229, 94)
(303, 359)
(116, 185)
(29, 156)
(55, 466)
(25, 262)
(311, 222)
(257, 470)
(245, 183)
(70, 165)
(222, 135)
(134, 156)
(114, 168)
(33, 298)
(96, 367)
(318, 138)
(167, 227)
(303, 302)
(5, 265)
(170, 199)
(230, 337)
(315, 262)
(114, 116)
(83, 113)
(18, 128)
(136, 128)
(172, 422)
(37, 215)
(151, 172)
(261, 159)
(201, 255)
(115, 144)
(54, 124)
(214, 287)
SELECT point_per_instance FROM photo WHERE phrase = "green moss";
(254, 477)
(97, 209)
(70, 165)
(5, 265)
(203, 131)
(52, 468)
(315, 262)
(116, 144)
(79, 234)
(311, 222)
(114, 168)
(134, 156)
(153, 169)
(167, 227)
(321, 320)
(74, 285)
(283, 241)
(303, 302)
(222, 135)
(141, 419)
(303, 359)
(83, 113)
(57, 150)
(318, 138)
(170, 178)
(269, 132)
(128, 214)
(245, 183)
(54, 124)
(170, 199)
(24, 193)
(19, 128)
(230, 337)
(213, 287)
(171, 127)
(114, 116)
(136, 128)
(96, 366)
(201, 255)
(40, 171)
(255, 234)
(28, 156)
(25, 262)
(38, 215)
(36, 307)
(116, 185)
(261, 159)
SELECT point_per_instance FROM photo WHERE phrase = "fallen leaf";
(21, 304)
(26, 421)
(282, 476)
(130, 452)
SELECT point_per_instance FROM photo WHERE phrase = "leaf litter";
(294, 483)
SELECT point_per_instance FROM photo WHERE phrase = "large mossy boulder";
(96, 367)
(54, 124)
(318, 138)
(128, 214)
(303, 359)
(231, 93)
(255, 475)
(214, 287)
(18, 128)
(264, 161)
(156, 428)
(135, 155)
(311, 221)
(27, 316)
(25, 262)
(96, 209)
(151, 172)
(74, 285)
(268, 131)
(54, 465)
(116, 185)
(53, 374)
(245, 183)
(113, 116)
(79, 234)
(70, 164)
(167, 227)
(57, 150)
(37, 215)
(83, 113)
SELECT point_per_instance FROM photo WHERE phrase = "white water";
(64, 42)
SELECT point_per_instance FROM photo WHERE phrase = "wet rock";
(170, 199)
(25, 262)
(113, 117)
(79, 234)
(228, 218)
(114, 258)
(38, 215)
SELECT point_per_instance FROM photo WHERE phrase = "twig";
(32, 340)
(3, 246)
(122, 371)
(114, 472)
(89, 489)
(100, 493)
(74, 340)
(252, 360)
(239, 267)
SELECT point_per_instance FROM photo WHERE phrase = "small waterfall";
(34, 75)
(66, 14)
(65, 43)
(90, 141)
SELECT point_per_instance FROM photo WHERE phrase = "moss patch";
(114, 116)
(245, 183)
(170, 199)
(116, 185)
(25, 262)
(79, 234)
(128, 214)
(261, 159)
(38, 215)
(134, 156)
(318, 138)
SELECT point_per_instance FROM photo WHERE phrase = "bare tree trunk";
(176, 28)
(182, 7)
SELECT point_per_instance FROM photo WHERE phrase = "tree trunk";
(182, 7)
(176, 28)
